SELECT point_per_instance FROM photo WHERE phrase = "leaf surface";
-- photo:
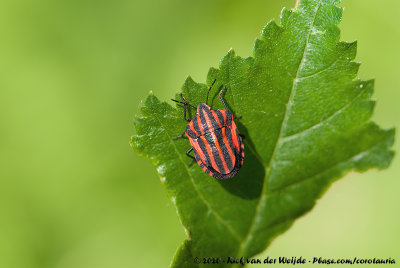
(306, 121)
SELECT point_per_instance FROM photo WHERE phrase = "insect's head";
(202, 106)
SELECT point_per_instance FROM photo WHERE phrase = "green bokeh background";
(72, 73)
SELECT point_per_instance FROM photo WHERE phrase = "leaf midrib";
(244, 242)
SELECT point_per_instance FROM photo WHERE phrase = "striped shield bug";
(217, 145)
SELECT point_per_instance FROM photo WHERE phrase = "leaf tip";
(212, 74)
(285, 14)
(349, 49)
(150, 101)
(134, 145)
(188, 82)
(131, 143)
(231, 53)
(271, 30)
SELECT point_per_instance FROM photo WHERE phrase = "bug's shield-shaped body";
(218, 148)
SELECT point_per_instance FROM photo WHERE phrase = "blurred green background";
(72, 73)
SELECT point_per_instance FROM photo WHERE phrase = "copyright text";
(292, 260)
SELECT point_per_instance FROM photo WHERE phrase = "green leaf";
(306, 121)
(183, 256)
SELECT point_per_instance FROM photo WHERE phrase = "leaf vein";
(357, 156)
(343, 108)
(318, 72)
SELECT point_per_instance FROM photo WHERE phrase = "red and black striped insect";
(218, 147)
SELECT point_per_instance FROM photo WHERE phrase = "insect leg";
(222, 99)
(210, 90)
(185, 104)
(184, 111)
(188, 154)
(179, 136)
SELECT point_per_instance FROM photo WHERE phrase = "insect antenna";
(184, 103)
(210, 90)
